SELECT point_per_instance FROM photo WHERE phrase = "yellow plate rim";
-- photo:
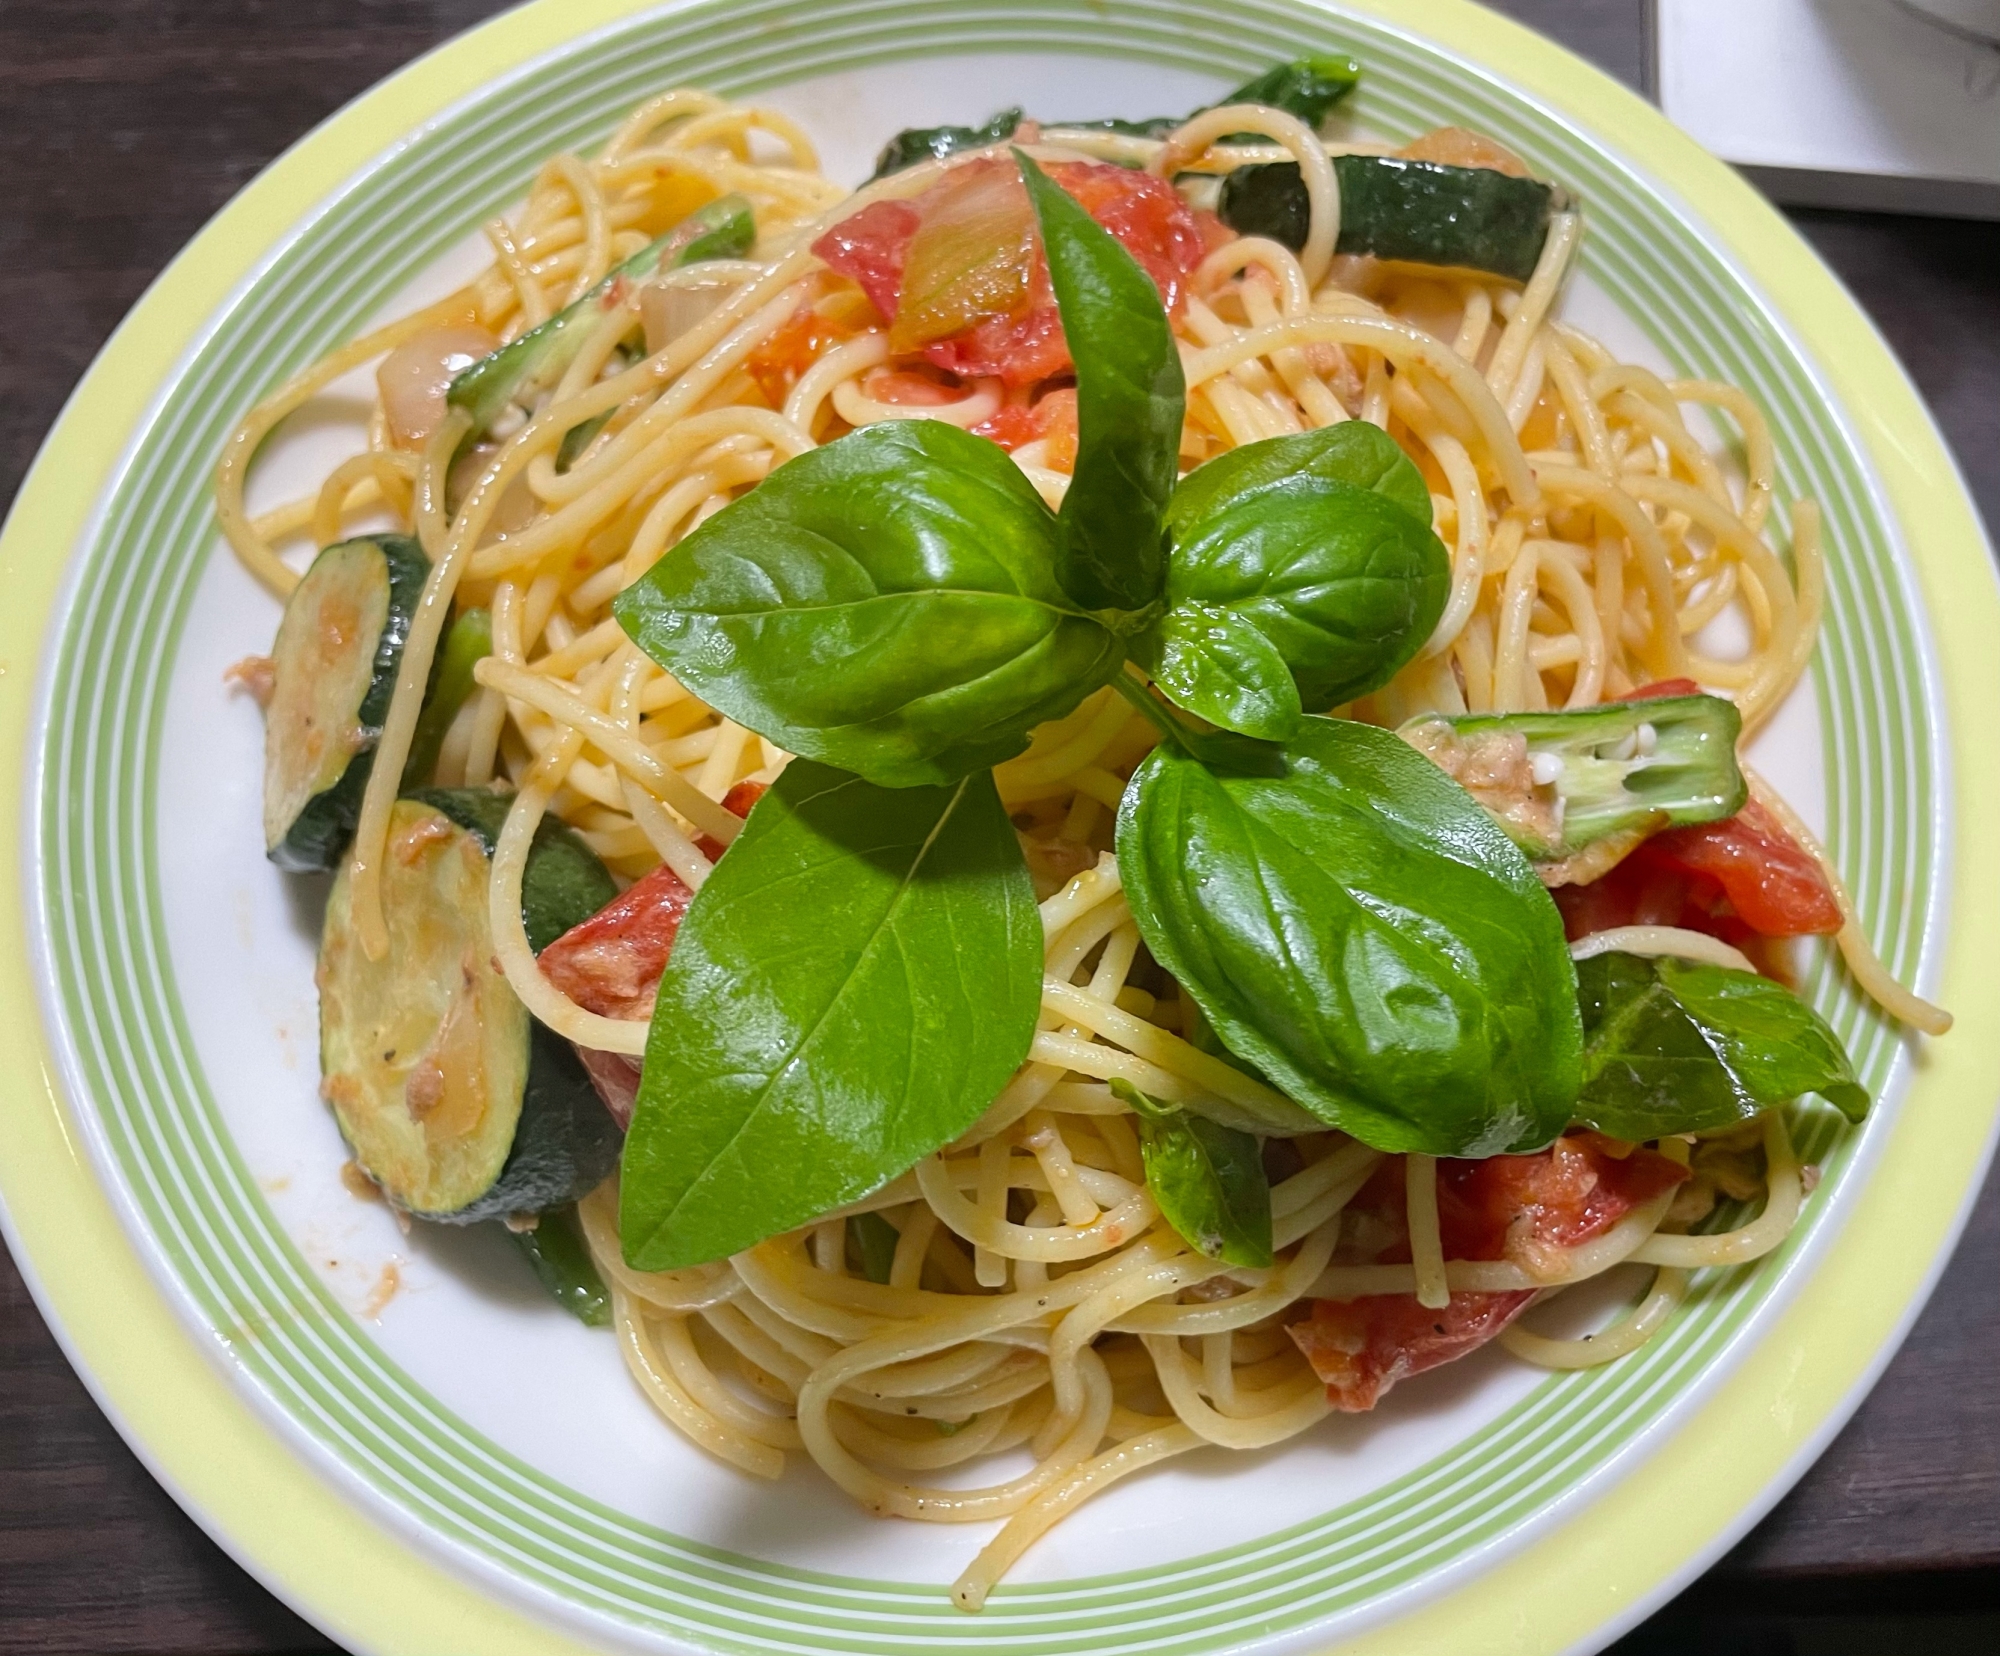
(1607, 1565)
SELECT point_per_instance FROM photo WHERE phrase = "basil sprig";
(1677, 1046)
(848, 991)
(902, 604)
(1207, 1179)
(1352, 923)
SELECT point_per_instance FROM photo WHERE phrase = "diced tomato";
(1054, 417)
(1662, 687)
(964, 255)
(738, 802)
(1361, 1348)
(795, 346)
(1523, 1208)
(611, 963)
(1738, 879)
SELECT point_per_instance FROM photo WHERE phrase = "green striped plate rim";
(162, 1140)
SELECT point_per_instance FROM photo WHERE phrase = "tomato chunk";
(1663, 687)
(1052, 418)
(1739, 879)
(959, 274)
(737, 802)
(611, 963)
(1524, 1208)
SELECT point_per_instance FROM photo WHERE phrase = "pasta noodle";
(1036, 1304)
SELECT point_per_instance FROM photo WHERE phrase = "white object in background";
(1841, 103)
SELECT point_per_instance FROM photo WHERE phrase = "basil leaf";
(1675, 1046)
(1321, 543)
(1130, 399)
(1354, 452)
(849, 990)
(1207, 1179)
(886, 603)
(1220, 668)
(1355, 926)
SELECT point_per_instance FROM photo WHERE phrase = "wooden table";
(124, 124)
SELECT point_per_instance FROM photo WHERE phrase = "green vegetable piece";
(578, 438)
(875, 1242)
(1307, 87)
(561, 1260)
(1472, 218)
(951, 1428)
(563, 884)
(1356, 927)
(1625, 767)
(465, 645)
(456, 1102)
(724, 229)
(856, 981)
(1208, 1180)
(914, 144)
(1130, 399)
(1677, 1046)
(1319, 546)
(886, 603)
(333, 674)
(1217, 665)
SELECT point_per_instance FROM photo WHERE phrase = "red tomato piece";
(1742, 878)
(737, 801)
(1022, 343)
(1361, 1348)
(1524, 1208)
(794, 347)
(611, 963)
(1662, 687)
(1015, 425)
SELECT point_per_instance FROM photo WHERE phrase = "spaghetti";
(1035, 1303)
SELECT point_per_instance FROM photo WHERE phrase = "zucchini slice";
(724, 229)
(1424, 212)
(455, 1101)
(333, 672)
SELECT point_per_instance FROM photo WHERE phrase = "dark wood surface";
(124, 124)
